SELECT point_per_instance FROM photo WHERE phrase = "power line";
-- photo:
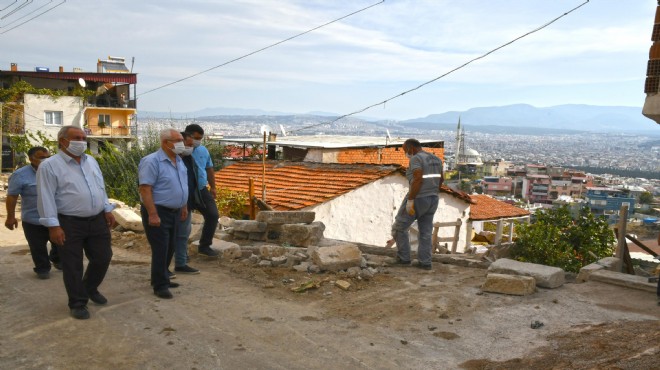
(445, 74)
(19, 18)
(262, 49)
(36, 16)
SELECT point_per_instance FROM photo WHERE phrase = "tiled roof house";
(486, 208)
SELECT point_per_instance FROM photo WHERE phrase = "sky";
(596, 55)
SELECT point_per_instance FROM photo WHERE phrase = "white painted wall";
(366, 214)
(35, 106)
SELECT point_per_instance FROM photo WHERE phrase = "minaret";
(457, 150)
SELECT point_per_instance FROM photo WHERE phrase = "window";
(104, 120)
(53, 118)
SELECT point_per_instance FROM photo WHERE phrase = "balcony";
(110, 122)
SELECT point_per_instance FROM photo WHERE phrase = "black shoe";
(57, 265)
(163, 293)
(208, 251)
(400, 262)
(171, 275)
(185, 269)
(80, 313)
(424, 267)
(174, 285)
(43, 275)
(97, 298)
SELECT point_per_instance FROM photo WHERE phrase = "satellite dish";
(82, 82)
(282, 129)
(265, 129)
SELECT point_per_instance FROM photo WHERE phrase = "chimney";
(61, 69)
(14, 67)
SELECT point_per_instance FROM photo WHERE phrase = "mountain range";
(516, 118)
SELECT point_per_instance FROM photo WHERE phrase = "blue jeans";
(161, 239)
(181, 242)
(425, 208)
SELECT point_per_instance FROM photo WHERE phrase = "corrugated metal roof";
(487, 208)
(296, 185)
(128, 78)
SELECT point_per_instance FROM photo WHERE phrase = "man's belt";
(167, 209)
(77, 218)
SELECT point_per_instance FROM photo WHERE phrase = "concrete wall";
(366, 214)
(35, 106)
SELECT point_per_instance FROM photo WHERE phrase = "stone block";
(509, 284)
(269, 251)
(338, 257)
(286, 217)
(241, 235)
(257, 236)
(226, 221)
(197, 218)
(195, 232)
(278, 261)
(128, 219)
(624, 280)
(264, 263)
(249, 226)
(228, 250)
(302, 267)
(343, 284)
(300, 235)
(546, 276)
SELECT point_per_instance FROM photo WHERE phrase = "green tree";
(646, 198)
(22, 143)
(556, 239)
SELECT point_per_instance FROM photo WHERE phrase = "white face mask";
(197, 143)
(178, 148)
(77, 148)
(187, 151)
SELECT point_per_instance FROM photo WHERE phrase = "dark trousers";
(210, 213)
(162, 241)
(90, 235)
(37, 238)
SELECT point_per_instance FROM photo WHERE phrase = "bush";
(120, 167)
(556, 239)
(231, 203)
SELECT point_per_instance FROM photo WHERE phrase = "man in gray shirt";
(425, 177)
(74, 206)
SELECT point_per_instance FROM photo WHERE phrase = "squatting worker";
(74, 206)
(164, 195)
(425, 177)
(23, 183)
(205, 177)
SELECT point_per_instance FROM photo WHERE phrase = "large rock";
(338, 257)
(270, 251)
(249, 226)
(286, 217)
(228, 250)
(509, 284)
(546, 276)
(302, 235)
(128, 219)
(608, 263)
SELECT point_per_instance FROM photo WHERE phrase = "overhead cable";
(260, 50)
(36, 16)
(445, 74)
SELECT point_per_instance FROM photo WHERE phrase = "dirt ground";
(235, 315)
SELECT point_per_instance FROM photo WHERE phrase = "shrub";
(556, 239)
(120, 167)
(231, 203)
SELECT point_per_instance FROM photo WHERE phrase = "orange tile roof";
(456, 193)
(296, 185)
(487, 208)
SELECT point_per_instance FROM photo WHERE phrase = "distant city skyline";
(596, 55)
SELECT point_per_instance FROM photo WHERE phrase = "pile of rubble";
(288, 239)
